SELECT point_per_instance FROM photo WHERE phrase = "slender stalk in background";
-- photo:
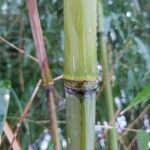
(44, 68)
(112, 136)
(21, 45)
(80, 72)
(18, 49)
(25, 111)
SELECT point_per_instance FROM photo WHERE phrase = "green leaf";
(142, 140)
(4, 101)
(141, 97)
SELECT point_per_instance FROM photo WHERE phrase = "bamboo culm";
(80, 72)
(112, 135)
(44, 69)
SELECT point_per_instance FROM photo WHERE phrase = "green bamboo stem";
(80, 39)
(21, 45)
(80, 114)
(44, 69)
(112, 136)
(80, 72)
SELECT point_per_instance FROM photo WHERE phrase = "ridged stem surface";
(80, 72)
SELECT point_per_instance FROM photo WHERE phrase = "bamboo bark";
(80, 72)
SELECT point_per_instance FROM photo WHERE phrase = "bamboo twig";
(24, 114)
(44, 69)
(109, 127)
(58, 78)
(21, 45)
(137, 119)
(131, 144)
(9, 134)
(112, 121)
(38, 122)
(18, 49)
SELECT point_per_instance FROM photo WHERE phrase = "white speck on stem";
(90, 30)
(74, 67)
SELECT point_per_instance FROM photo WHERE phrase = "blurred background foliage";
(127, 27)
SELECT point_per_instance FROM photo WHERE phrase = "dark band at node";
(79, 92)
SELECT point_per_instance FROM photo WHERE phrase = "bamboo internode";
(80, 74)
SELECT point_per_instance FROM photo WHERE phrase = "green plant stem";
(80, 72)
(21, 45)
(112, 136)
(80, 40)
(44, 68)
(80, 114)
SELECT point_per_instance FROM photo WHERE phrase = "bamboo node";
(47, 85)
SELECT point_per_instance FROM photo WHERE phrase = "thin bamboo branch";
(131, 144)
(123, 111)
(24, 114)
(21, 45)
(15, 21)
(9, 134)
(109, 127)
(18, 49)
(137, 119)
(58, 78)
(39, 122)
(44, 68)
